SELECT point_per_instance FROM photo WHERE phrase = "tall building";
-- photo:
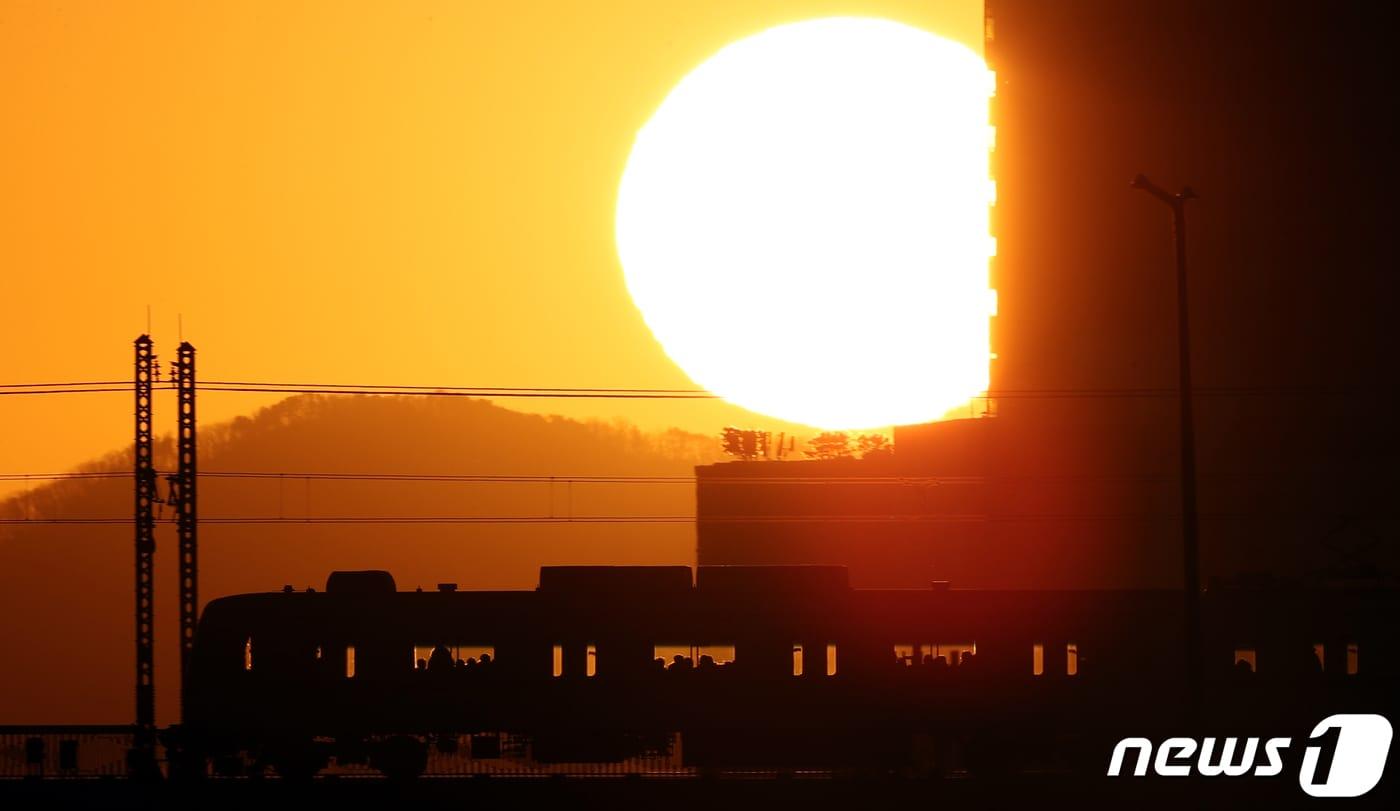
(1274, 115)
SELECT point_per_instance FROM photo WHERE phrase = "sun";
(804, 223)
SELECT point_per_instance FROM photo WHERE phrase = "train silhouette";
(761, 667)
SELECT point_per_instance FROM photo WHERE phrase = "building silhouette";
(1271, 115)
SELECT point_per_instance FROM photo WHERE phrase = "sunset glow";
(803, 223)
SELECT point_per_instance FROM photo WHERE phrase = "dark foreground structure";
(1282, 117)
(783, 668)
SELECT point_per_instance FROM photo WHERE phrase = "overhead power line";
(1002, 394)
(558, 394)
(371, 386)
(27, 391)
(515, 479)
(567, 392)
(908, 518)
(126, 383)
(735, 480)
(25, 477)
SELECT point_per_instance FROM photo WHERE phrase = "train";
(760, 667)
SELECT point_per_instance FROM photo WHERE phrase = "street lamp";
(1190, 543)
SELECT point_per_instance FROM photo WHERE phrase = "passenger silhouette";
(440, 661)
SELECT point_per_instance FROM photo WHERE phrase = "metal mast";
(145, 478)
(183, 497)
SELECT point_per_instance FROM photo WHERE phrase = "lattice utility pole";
(145, 548)
(184, 490)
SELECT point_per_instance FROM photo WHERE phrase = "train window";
(952, 653)
(668, 653)
(1247, 656)
(1353, 659)
(558, 661)
(694, 656)
(461, 654)
(955, 653)
(930, 653)
(591, 669)
(1071, 659)
(477, 653)
(1037, 660)
(248, 653)
(799, 663)
(719, 654)
(349, 661)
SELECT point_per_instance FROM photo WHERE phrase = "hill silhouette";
(69, 635)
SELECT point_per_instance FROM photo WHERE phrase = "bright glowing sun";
(804, 223)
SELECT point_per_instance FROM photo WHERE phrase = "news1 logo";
(1345, 756)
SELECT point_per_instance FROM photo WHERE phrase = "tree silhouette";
(830, 445)
(746, 445)
(874, 445)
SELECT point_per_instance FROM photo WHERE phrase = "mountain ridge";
(75, 666)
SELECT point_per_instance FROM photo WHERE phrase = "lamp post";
(1190, 542)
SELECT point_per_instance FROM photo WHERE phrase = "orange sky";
(407, 192)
